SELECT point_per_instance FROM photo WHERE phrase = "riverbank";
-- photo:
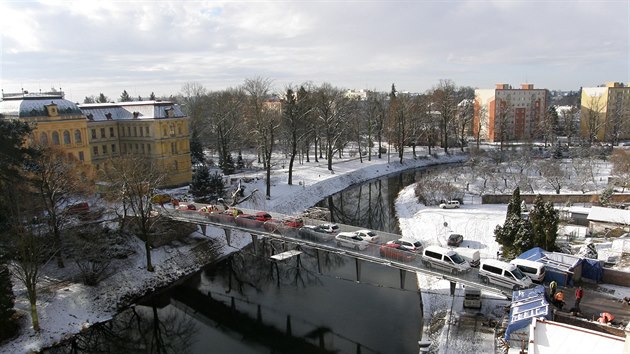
(66, 306)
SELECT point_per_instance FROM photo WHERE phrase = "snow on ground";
(66, 306)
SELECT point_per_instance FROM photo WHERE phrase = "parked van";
(450, 204)
(471, 255)
(503, 274)
(534, 270)
(444, 259)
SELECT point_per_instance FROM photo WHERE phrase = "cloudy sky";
(88, 47)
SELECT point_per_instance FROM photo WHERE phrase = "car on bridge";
(252, 220)
(350, 240)
(315, 233)
(408, 245)
(328, 227)
(226, 216)
(287, 226)
(365, 234)
(396, 252)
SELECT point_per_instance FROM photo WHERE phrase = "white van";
(534, 270)
(444, 259)
(450, 204)
(471, 255)
(503, 274)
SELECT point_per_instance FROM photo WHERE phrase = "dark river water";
(249, 304)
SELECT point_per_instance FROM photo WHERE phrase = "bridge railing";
(404, 260)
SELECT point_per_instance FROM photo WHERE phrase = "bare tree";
(553, 173)
(444, 102)
(568, 119)
(621, 168)
(222, 126)
(463, 120)
(59, 180)
(31, 252)
(503, 120)
(375, 114)
(264, 116)
(331, 111)
(397, 119)
(592, 118)
(296, 110)
(132, 181)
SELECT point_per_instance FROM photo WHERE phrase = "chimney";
(527, 86)
(503, 86)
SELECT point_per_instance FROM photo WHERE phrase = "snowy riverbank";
(66, 306)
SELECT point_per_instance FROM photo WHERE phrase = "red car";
(252, 220)
(293, 222)
(396, 252)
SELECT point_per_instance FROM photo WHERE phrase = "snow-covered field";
(66, 306)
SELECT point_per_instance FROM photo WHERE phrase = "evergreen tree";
(102, 98)
(216, 186)
(544, 219)
(514, 206)
(139, 98)
(89, 99)
(124, 97)
(152, 97)
(196, 149)
(200, 186)
(240, 163)
(8, 326)
(227, 165)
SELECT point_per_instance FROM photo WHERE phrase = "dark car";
(455, 240)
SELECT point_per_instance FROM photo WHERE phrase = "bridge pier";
(357, 265)
(453, 285)
(319, 264)
(203, 229)
(402, 278)
(255, 243)
(228, 236)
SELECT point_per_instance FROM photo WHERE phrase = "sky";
(88, 47)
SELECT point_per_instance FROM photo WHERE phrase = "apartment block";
(605, 113)
(506, 114)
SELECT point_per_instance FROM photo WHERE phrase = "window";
(104, 147)
(137, 148)
(135, 131)
(93, 133)
(179, 129)
(128, 131)
(149, 149)
(142, 146)
(146, 131)
(66, 137)
(95, 150)
(81, 157)
(175, 165)
(113, 148)
(55, 138)
(111, 132)
(492, 269)
(102, 132)
(433, 255)
(77, 137)
(43, 139)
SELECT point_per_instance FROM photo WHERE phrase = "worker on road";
(605, 318)
(558, 300)
(553, 286)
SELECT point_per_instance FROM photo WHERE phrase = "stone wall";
(554, 198)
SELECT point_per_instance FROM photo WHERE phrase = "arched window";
(55, 138)
(77, 136)
(43, 139)
(66, 137)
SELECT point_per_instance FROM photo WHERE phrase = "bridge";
(403, 260)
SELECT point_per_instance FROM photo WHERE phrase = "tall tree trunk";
(147, 249)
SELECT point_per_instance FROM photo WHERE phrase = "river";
(250, 304)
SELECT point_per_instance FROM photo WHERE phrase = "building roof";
(610, 215)
(131, 110)
(527, 304)
(23, 105)
(547, 337)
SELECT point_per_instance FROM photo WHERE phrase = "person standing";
(579, 293)
(553, 286)
(559, 300)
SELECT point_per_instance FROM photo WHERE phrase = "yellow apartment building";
(605, 113)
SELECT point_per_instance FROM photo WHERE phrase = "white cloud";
(559, 44)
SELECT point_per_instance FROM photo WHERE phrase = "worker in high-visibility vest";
(558, 299)
(605, 318)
